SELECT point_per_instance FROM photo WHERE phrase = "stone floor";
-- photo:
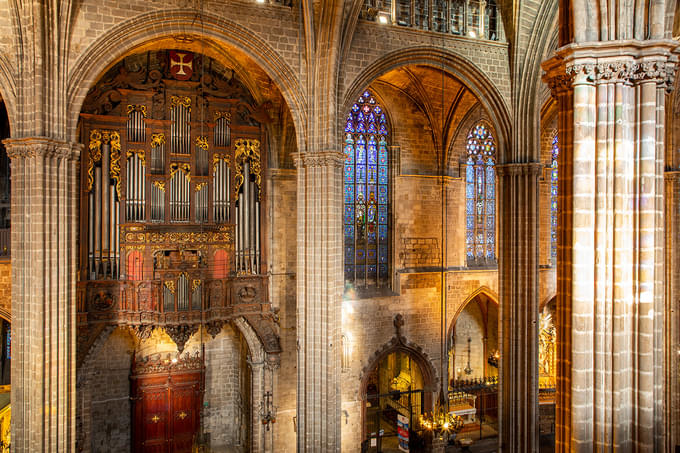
(490, 445)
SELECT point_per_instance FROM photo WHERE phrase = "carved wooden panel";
(166, 407)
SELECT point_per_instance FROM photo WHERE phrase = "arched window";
(365, 194)
(553, 196)
(480, 194)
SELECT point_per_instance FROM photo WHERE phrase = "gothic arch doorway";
(473, 339)
(398, 385)
(473, 357)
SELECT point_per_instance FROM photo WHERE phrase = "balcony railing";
(473, 18)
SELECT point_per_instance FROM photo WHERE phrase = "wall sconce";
(268, 410)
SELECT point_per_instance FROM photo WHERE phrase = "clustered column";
(518, 204)
(611, 307)
(319, 291)
(44, 195)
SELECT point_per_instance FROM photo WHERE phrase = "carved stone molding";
(32, 147)
(514, 169)
(159, 364)
(319, 159)
(143, 331)
(627, 62)
(265, 328)
(399, 342)
(214, 328)
(180, 334)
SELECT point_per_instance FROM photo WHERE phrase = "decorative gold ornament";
(247, 149)
(136, 108)
(170, 284)
(184, 167)
(114, 171)
(95, 147)
(140, 154)
(202, 142)
(200, 186)
(195, 284)
(220, 156)
(184, 101)
(157, 140)
(160, 185)
(225, 115)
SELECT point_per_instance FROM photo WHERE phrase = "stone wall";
(103, 396)
(225, 402)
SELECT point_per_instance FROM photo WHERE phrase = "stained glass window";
(365, 212)
(480, 196)
(553, 197)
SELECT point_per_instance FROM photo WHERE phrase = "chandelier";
(441, 422)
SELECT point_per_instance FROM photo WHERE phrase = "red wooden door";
(166, 411)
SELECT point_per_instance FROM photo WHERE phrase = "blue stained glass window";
(9, 342)
(480, 195)
(365, 219)
(553, 196)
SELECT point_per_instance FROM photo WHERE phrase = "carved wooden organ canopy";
(172, 194)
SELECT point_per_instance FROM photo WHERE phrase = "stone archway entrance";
(396, 387)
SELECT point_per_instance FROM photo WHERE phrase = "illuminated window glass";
(365, 211)
(553, 196)
(480, 196)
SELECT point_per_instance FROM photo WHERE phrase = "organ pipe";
(104, 200)
(182, 293)
(136, 130)
(136, 187)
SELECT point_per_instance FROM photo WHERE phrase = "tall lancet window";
(480, 193)
(553, 196)
(366, 182)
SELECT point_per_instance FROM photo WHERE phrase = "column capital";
(319, 159)
(32, 147)
(626, 61)
(523, 168)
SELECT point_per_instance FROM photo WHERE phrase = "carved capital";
(41, 147)
(319, 159)
(627, 62)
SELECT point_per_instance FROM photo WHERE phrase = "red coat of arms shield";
(181, 64)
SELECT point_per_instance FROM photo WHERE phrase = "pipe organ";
(172, 187)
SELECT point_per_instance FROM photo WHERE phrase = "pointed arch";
(480, 195)
(366, 194)
(218, 36)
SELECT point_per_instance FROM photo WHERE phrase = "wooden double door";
(166, 411)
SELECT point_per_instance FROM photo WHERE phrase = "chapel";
(279, 226)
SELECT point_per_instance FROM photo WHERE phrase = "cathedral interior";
(239, 226)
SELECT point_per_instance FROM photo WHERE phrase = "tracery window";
(553, 196)
(365, 219)
(480, 194)
(472, 18)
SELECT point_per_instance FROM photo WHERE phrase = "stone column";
(610, 280)
(44, 223)
(672, 329)
(319, 291)
(518, 269)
